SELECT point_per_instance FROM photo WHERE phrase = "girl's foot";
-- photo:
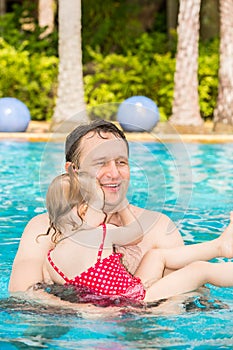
(226, 240)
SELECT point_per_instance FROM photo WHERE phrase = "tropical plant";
(46, 15)
(21, 29)
(30, 78)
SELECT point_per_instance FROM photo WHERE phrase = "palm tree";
(172, 12)
(46, 14)
(223, 114)
(70, 106)
(2, 7)
(185, 109)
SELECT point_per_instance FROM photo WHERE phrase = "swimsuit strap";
(56, 268)
(98, 257)
(102, 244)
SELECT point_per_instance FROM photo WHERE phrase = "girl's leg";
(190, 278)
(154, 262)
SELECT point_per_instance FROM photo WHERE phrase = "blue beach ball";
(14, 115)
(138, 113)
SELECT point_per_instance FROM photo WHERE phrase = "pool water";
(191, 183)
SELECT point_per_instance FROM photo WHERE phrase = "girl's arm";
(130, 231)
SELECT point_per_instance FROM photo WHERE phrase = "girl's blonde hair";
(64, 193)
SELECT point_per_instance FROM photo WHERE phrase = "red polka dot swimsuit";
(107, 277)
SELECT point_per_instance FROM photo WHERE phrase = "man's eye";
(122, 162)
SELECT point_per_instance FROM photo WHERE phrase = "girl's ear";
(82, 210)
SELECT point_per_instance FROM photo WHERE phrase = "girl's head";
(68, 198)
(65, 203)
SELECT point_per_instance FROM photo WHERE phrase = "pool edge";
(140, 137)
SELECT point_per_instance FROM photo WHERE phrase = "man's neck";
(114, 219)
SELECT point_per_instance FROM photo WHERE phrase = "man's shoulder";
(139, 211)
(150, 217)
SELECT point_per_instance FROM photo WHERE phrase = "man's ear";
(67, 166)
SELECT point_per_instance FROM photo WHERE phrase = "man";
(101, 149)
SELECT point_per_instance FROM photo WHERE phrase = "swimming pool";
(191, 183)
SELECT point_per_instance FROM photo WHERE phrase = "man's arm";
(155, 229)
(159, 232)
(27, 268)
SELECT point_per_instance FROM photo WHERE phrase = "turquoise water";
(191, 183)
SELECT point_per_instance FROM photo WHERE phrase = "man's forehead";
(95, 140)
(102, 135)
(106, 146)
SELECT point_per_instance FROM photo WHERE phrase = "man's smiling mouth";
(111, 185)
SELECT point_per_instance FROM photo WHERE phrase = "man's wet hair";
(100, 127)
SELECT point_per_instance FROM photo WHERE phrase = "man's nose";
(112, 169)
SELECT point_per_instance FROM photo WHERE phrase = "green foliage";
(30, 78)
(113, 78)
(20, 29)
(148, 44)
(120, 60)
(111, 26)
(208, 84)
(208, 48)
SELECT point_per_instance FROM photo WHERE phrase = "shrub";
(21, 30)
(208, 84)
(108, 79)
(113, 78)
(31, 79)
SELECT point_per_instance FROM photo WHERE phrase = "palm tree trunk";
(70, 107)
(186, 110)
(2, 7)
(46, 14)
(172, 12)
(223, 114)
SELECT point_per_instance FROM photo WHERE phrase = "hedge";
(32, 78)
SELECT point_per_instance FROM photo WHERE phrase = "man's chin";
(112, 207)
(114, 201)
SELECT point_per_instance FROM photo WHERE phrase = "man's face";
(107, 160)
